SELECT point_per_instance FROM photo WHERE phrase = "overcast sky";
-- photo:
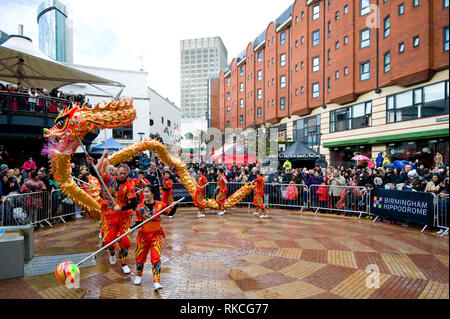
(114, 33)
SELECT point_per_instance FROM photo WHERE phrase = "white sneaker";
(169, 217)
(221, 213)
(78, 215)
(263, 216)
(137, 280)
(440, 231)
(112, 260)
(157, 285)
(199, 215)
(126, 269)
(100, 235)
(255, 213)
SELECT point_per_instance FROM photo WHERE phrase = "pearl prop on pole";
(68, 270)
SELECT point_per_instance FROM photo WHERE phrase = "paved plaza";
(289, 255)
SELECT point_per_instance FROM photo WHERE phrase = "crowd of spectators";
(36, 99)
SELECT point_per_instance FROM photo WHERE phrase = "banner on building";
(179, 191)
(416, 207)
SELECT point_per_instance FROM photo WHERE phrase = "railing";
(441, 205)
(345, 199)
(13, 101)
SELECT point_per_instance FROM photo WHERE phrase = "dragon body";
(74, 122)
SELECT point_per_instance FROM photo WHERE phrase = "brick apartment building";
(324, 74)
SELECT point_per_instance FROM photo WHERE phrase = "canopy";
(298, 150)
(113, 145)
(21, 62)
(400, 164)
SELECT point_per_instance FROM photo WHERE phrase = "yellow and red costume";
(167, 196)
(149, 238)
(200, 192)
(258, 199)
(139, 186)
(95, 193)
(117, 223)
(220, 199)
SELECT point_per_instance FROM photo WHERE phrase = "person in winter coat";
(379, 160)
(322, 192)
(313, 184)
(291, 193)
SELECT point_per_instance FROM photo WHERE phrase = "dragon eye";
(60, 122)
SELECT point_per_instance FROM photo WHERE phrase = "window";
(329, 56)
(329, 4)
(307, 130)
(241, 87)
(303, 14)
(259, 94)
(446, 39)
(283, 59)
(315, 38)
(364, 7)
(345, 9)
(345, 40)
(315, 12)
(315, 64)
(387, 62)
(415, 3)
(337, 45)
(302, 89)
(228, 96)
(228, 81)
(283, 81)
(427, 101)
(296, 19)
(228, 124)
(124, 132)
(259, 75)
(259, 112)
(282, 38)
(387, 26)
(336, 15)
(337, 75)
(329, 29)
(296, 43)
(445, 4)
(302, 39)
(241, 103)
(328, 85)
(241, 119)
(365, 71)
(273, 60)
(296, 67)
(351, 117)
(315, 90)
(416, 41)
(346, 71)
(282, 103)
(296, 92)
(364, 36)
(302, 64)
(241, 71)
(401, 9)
(168, 123)
(228, 110)
(401, 47)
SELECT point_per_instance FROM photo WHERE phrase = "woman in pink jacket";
(28, 165)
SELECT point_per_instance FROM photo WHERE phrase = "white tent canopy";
(21, 62)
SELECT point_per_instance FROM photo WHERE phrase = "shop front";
(342, 156)
(423, 150)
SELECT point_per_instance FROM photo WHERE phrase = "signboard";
(180, 191)
(416, 207)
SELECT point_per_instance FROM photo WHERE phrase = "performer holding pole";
(258, 200)
(117, 211)
(222, 187)
(149, 237)
(201, 183)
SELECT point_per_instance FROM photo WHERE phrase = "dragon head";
(62, 137)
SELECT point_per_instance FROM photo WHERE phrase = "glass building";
(55, 31)
(199, 58)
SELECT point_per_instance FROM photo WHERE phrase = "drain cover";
(47, 264)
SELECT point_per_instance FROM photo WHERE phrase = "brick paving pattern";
(290, 255)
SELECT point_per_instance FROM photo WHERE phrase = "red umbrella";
(360, 158)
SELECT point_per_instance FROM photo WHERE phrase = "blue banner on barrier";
(417, 207)
(180, 191)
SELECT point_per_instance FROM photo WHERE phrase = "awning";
(298, 150)
(21, 62)
(390, 138)
(113, 145)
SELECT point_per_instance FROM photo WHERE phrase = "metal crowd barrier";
(345, 199)
(441, 206)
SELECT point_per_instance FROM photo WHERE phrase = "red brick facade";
(338, 67)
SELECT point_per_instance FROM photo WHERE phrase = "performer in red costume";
(222, 187)
(258, 200)
(139, 184)
(118, 217)
(167, 194)
(149, 237)
(199, 195)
